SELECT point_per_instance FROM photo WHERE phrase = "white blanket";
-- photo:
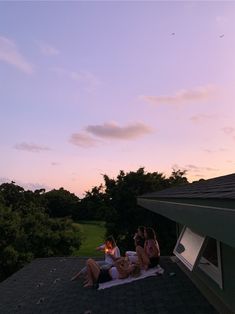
(144, 273)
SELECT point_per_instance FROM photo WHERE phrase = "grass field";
(94, 233)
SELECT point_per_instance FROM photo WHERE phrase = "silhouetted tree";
(178, 177)
(62, 203)
(27, 231)
(126, 215)
(94, 205)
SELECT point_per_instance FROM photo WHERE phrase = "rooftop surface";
(44, 286)
(216, 188)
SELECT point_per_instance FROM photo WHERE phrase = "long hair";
(111, 240)
(141, 229)
(150, 233)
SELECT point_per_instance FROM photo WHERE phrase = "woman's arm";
(158, 248)
(154, 248)
(115, 255)
(100, 247)
(145, 246)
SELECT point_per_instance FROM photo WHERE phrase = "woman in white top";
(112, 253)
(122, 269)
(110, 250)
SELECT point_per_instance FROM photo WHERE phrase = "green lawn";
(94, 233)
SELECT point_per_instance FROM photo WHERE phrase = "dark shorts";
(104, 276)
(154, 261)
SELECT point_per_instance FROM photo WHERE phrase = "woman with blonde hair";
(122, 269)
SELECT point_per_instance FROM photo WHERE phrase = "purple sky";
(90, 88)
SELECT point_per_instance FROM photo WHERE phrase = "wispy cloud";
(4, 180)
(202, 117)
(196, 171)
(230, 161)
(212, 151)
(54, 163)
(34, 186)
(86, 79)
(47, 49)
(195, 168)
(114, 131)
(31, 147)
(9, 54)
(25, 185)
(228, 130)
(83, 140)
(221, 20)
(182, 96)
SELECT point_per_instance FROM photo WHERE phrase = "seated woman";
(149, 255)
(122, 269)
(111, 252)
(139, 241)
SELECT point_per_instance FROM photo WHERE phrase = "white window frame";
(189, 265)
(210, 269)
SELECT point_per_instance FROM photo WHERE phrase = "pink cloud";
(228, 130)
(82, 140)
(202, 117)
(10, 54)
(195, 168)
(47, 49)
(114, 131)
(211, 151)
(54, 163)
(30, 147)
(26, 185)
(183, 96)
(87, 80)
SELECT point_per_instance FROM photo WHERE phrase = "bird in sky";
(221, 36)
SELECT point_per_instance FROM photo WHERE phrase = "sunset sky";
(91, 88)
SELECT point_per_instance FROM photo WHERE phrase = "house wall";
(228, 264)
(227, 294)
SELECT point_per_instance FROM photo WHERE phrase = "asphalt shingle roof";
(216, 188)
(44, 286)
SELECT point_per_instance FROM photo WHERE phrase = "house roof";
(215, 188)
(44, 286)
(206, 206)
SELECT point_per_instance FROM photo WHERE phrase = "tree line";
(40, 224)
(28, 230)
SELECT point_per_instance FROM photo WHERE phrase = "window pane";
(210, 252)
(210, 261)
(188, 247)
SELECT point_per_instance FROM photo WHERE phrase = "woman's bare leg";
(142, 257)
(93, 271)
(80, 273)
(85, 280)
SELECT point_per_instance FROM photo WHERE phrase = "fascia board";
(215, 222)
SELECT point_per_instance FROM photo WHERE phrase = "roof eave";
(215, 222)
